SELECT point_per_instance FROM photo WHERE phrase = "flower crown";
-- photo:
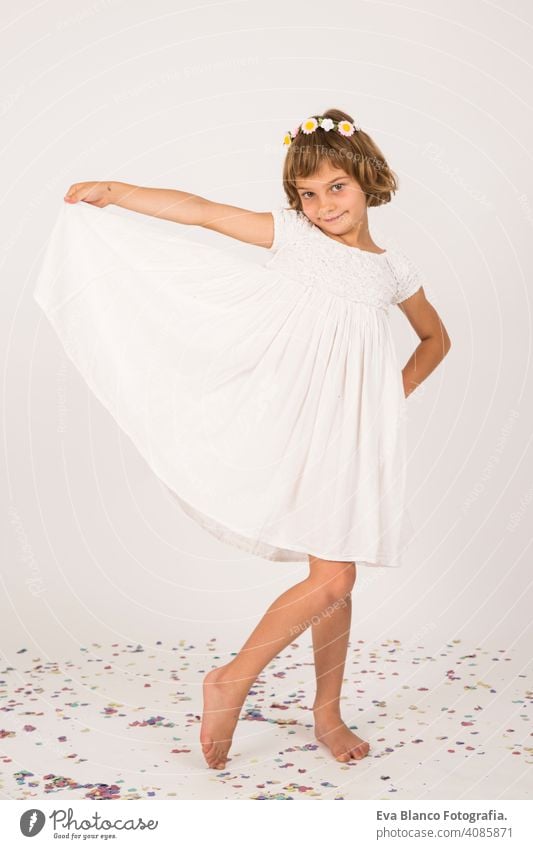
(345, 128)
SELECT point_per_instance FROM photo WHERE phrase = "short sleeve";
(289, 226)
(407, 275)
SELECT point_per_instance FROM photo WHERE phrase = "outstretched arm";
(257, 228)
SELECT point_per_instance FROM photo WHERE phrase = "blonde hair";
(358, 155)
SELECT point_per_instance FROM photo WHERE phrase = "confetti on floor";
(452, 725)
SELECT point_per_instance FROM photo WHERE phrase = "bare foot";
(223, 700)
(342, 743)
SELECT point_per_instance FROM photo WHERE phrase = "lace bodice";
(301, 250)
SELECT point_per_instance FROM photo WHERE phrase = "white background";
(198, 96)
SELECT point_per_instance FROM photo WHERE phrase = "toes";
(220, 762)
(216, 758)
(216, 763)
(208, 752)
(359, 752)
(343, 758)
(219, 759)
(211, 754)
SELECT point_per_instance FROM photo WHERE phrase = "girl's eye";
(334, 185)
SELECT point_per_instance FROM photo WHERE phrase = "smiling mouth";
(330, 220)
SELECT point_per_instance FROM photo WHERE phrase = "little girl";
(266, 397)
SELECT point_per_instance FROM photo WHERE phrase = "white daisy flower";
(309, 125)
(346, 128)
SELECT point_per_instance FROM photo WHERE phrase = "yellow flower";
(287, 139)
(346, 128)
(309, 125)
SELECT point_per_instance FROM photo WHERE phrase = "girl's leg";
(330, 644)
(226, 687)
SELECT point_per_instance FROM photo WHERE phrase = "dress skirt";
(273, 411)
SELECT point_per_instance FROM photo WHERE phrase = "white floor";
(122, 721)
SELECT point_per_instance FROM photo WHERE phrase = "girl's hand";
(97, 194)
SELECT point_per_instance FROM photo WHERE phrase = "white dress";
(266, 397)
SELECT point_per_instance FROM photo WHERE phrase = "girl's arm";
(434, 345)
(257, 228)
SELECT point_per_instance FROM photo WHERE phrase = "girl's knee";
(335, 579)
(343, 582)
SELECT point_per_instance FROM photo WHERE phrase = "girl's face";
(332, 199)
